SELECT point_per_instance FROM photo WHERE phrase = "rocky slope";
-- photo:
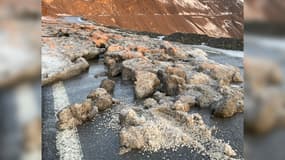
(264, 11)
(265, 17)
(216, 18)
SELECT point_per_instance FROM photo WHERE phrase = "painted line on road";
(26, 102)
(27, 111)
(67, 142)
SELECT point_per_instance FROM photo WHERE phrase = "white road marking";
(67, 142)
(27, 111)
(27, 108)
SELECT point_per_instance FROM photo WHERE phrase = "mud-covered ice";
(57, 67)
(65, 51)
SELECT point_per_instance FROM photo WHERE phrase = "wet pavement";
(10, 135)
(99, 142)
(270, 48)
(48, 125)
(73, 19)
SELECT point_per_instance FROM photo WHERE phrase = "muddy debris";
(269, 73)
(101, 98)
(231, 103)
(174, 85)
(224, 74)
(264, 99)
(163, 128)
(184, 103)
(100, 39)
(108, 85)
(146, 83)
(169, 80)
(129, 117)
(198, 54)
(200, 78)
(163, 99)
(114, 57)
(181, 106)
(150, 103)
(265, 110)
(176, 71)
(136, 64)
(204, 95)
(76, 114)
(173, 51)
(66, 49)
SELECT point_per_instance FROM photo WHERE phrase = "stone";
(129, 117)
(229, 151)
(159, 95)
(199, 78)
(76, 114)
(175, 71)
(115, 48)
(140, 49)
(150, 103)
(114, 65)
(188, 99)
(231, 103)
(66, 119)
(164, 100)
(184, 103)
(100, 39)
(264, 110)
(237, 77)
(89, 55)
(146, 84)
(198, 54)
(173, 80)
(173, 85)
(115, 55)
(123, 52)
(84, 111)
(269, 73)
(205, 95)
(108, 85)
(181, 106)
(224, 74)
(131, 138)
(136, 64)
(101, 98)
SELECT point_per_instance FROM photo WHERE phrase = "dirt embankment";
(214, 18)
